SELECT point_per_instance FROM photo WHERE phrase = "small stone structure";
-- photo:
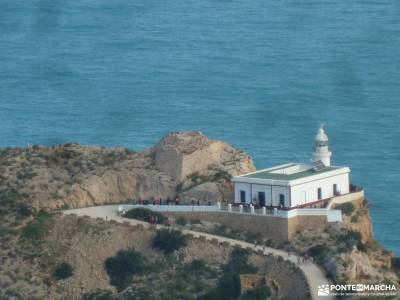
(251, 281)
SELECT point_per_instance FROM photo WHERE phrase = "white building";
(295, 185)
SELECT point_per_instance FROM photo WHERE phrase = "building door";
(261, 198)
(335, 190)
(319, 193)
(281, 200)
(243, 196)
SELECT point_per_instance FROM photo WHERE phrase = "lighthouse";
(321, 148)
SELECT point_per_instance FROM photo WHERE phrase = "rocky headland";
(185, 164)
(38, 181)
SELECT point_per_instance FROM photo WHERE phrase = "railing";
(172, 208)
(332, 215)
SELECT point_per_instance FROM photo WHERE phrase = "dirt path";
(312, 272)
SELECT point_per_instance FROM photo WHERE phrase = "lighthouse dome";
(321, 136)
(321, 148)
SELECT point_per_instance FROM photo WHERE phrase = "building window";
(319, 193)
(281, 200)
(242, 196)
(335, 190)
(321, 143)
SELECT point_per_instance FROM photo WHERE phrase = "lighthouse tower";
(321, 148)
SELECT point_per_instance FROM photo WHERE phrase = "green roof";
(274, 176)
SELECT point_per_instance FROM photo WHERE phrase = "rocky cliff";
(187, 164)
(347, 251)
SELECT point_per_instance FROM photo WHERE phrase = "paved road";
(312, 272)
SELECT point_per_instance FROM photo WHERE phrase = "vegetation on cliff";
(144, 214)
(72, 175)
(43, 254)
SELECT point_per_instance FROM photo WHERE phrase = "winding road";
(312, 272)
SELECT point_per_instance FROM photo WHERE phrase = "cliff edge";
(187, 164)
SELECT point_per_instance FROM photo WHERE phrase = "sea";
(261, 75)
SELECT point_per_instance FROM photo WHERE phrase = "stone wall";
(251, 281)
(270, 227)
(354, 196)
(300, 223)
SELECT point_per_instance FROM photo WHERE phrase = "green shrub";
(261, 293)
(98, 295)
(213, 295)
(353, 238)
(222, 174)
(121, 267)
(179, 188)
(32, 231)
(354, 219)
(169, 240)
(197, 266)
(63, 271)
(346, 208)
(228, 286)
(9, 198)
(180, 221)
(229, 283)
(254, 237)
(318, 252)
(239, 262)
(36, 229)
(24, 210)
(144, 214)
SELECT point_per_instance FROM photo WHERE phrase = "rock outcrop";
(181, 154)
(359, 220)
(187, 164)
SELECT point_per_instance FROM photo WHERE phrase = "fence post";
(219, 205)
(251, 209)
(229, 207)
(264, 210)
(241, 208)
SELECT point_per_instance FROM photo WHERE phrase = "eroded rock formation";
(185, 163)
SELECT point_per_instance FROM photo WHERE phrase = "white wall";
(255, 188)
(276, 191)
(308, 192)
(331, 215)
(262, 188)
(239, 186)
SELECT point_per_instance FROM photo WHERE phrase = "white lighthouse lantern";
(321, 148)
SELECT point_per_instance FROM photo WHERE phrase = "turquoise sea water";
(260, 74)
